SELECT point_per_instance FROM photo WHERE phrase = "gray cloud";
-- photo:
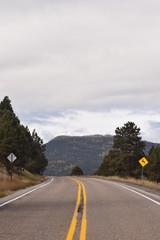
(57, 56)
(42, 117)
(155, 124)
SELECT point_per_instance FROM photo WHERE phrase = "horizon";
(93, 135)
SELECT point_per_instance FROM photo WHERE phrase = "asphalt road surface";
(90, 209)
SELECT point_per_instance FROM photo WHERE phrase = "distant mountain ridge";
(65, 152)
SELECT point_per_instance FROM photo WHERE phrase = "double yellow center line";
(74, 219)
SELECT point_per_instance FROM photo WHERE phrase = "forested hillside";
(64, 152)
(88, 152)
(128, 148)
(17, 139)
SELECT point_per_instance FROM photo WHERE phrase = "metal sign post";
(142, 174)
(11, 158)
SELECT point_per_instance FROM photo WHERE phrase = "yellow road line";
(84, 220)
(74, 219)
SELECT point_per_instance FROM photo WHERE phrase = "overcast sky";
(82, 67)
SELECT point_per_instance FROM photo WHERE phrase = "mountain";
(65, 152)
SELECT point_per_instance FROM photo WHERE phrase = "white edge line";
(129, 189)
(150, 199)
(16, 198)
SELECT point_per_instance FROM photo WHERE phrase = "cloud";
(155, 124)
(92, 57)
(87, 123)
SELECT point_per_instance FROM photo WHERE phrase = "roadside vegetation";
(20, 180)
(133, 181)
(123, 159)
(28, 148)
(76, 171)
(17, 139)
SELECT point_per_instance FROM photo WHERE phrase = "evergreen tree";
(10, 132)
(76, 171)
(153, 167)
(5, 105)
(128, 144)
(110, 165)
(17, 139)
(38, 161)
(123, 158)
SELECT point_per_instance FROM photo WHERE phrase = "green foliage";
(15, 138)
(128, 148)
(38, 161)
(152, 169)
(76, 171)
(87, 152)
(5, 105)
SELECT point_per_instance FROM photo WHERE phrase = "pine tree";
(10, 131)
(123, 158)
(38, 161)
(128, 144)
(15, 138)
(5, 105)
(153, 167)
(76, 171)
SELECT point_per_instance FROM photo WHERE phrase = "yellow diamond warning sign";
(143, 161)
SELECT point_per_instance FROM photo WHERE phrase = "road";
(84, 208)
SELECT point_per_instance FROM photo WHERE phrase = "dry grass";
(19, 181)
(139, 182)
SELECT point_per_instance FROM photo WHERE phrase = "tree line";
(128, 148)
(16, 138)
